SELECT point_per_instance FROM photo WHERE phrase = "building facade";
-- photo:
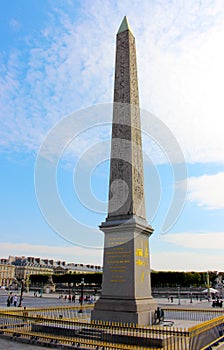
(18, 268)
(23, 272)
(7, 274)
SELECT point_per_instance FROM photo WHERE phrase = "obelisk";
(126, 289)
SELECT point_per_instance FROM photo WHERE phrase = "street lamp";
(208, 286)
(191, 295)
(27, 281)
(178, 291)
(69, 293)
(82, 288)
(82, 294)
(21, 293)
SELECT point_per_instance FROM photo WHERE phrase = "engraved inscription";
(118, 256)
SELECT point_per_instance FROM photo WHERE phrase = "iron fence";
(65, 312)
(192, 314)
(38, 325)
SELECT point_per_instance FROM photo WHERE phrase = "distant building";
(7, 274)
(59, 270)
(81, 268)
(23, 267)
(23, 272)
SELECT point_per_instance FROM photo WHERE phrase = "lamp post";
(220, 286)
(82, 294)
(208, 286)
(178, 291)
(27, 281)
(73, 291)
(82, 290)
(21, 293)
(69, 293)
(191, 295)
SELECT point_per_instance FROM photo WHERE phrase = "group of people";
(217, 301)
(159, 315)
(12, 300)
(170, 298)
(67, 297)
(88, 299)
(38, 293)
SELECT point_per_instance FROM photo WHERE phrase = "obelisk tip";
(124, 26)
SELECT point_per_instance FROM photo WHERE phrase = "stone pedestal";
(126, 291)
(137, 311)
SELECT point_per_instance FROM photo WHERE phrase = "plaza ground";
(53, 300)
(6, 344)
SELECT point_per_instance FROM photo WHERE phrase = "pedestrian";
(171, 299)
(11, 298)
(25, 314)
(15, 299)
(8, 301)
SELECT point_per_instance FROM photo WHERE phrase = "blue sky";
(57, 61)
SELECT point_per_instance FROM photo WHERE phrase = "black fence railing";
(60, 325)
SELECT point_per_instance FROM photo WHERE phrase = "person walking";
(11, 298)
(15, 299)
(8, 301)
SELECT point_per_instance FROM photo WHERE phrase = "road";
(30, 301)
(53, 300)
(13, 345)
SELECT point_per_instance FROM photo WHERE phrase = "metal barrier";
(65, 312)
(71, 311)
(207, 332)
(109, 335)
(192, 314)
(37, 325)
(214, 343)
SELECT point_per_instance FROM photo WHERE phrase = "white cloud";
(207, 191)
(191, 251)
(14, 24)
(67, 253)
(186, 261)
(197, 241)
(183, 82)
(59, 72)
(163, 261)
(69, 65)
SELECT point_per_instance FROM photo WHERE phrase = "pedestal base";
(137, 311)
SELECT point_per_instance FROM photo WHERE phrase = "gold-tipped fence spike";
(12, 319)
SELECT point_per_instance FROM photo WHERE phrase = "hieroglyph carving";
(126, 194)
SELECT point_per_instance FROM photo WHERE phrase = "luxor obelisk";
(126, 290)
